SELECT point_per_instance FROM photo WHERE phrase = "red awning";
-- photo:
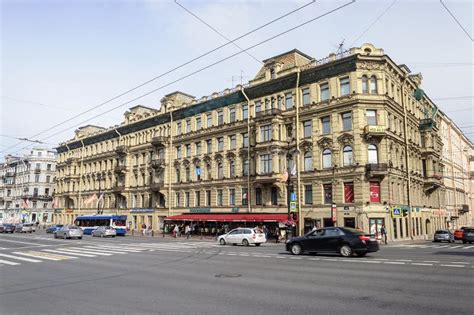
(230, 217)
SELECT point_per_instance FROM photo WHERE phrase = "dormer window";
(272, 73)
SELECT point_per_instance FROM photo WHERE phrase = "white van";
(27, 227)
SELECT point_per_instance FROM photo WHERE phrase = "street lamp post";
(99, 178)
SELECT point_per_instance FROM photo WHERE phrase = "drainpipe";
(80, 179)
(407, 160)
(120, 140)
(248, 149)
(170, 157)
(297, 134)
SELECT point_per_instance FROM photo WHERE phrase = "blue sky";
(59, 58)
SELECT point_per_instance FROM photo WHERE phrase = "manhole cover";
(226, 275)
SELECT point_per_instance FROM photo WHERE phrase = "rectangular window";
(46, 191)
(245, 140)
(208, 198)
(220, 144)
(324, 91)
(188, 150)
(198, 148)
(306, 96)
(178, 152)
(209, 120)
(258, 106)
(375, 192)
(327, 188)
(198, 123)
(178, 175)
(209, 145)
(349, 192)
(232, 142)
(245, 167)
(197, 198)
(308, 194)
(345, 86)
(288, 101)
(220, 118)
(245, 111)
(177, 201)
(244, 197)
(178, 128)
(35, 192)
(219, 197)
(326, 125)
(346, 121)
(265, 164)
(232, 116)
(258, 196)
(266, 133)
(232, 197)
(307, 129)
(188, 125)
(186, 199)
(37, 178)
(371, 117)
(274, 196)
(48, 167)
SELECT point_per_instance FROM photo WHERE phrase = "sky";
(60, 58)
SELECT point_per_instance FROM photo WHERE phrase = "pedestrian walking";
(175, 231)
(187, 231)
(383, 231)
(144, 229)
(277, 234)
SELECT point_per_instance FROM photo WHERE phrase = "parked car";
(104, 231)
(443, 235)
(53, 228)
(2, 229)
(244, 236)
(69, 231)
(23, 228)
(28, 227)
(342, 240)
(468, 235)
(8, 228)
(459, 233)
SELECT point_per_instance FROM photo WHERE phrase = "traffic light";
(405, 212)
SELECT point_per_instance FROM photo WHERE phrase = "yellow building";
(364, 137)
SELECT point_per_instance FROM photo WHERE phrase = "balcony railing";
(121, 149)
(156, 186)
(37, 170)
(158, 163)
(375, 131)
(376, 169)
(267, 112)
(118, 187)
(159, 141)
(464, 209)
(120, 169)
(427, 124)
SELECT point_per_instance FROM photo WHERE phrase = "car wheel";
(464, 242)
(361, 254)
(345, 250)
(222, 241)
(65, 236)
(80, 237)
(55, 236)
(102, 235)
(245, 242)
(296, 249)
(257, 244)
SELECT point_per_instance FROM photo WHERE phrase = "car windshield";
(73, 228)
(441, 232)
(354, 231)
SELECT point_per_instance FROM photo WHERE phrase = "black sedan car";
(468, 235)
(342, 240)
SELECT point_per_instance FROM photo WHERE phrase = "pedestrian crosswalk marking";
(64, 252)
(85, 250)
(104, 250)
(44, 255)
(6, 262)
(21, 258)
(129, 249)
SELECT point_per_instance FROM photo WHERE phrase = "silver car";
(443, 235)
(244, 236)
(104, 231)
(69, 231)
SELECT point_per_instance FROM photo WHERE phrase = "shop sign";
(235, 210)
(334, 212)
(200, 210)
(376, 129)
(142, 210)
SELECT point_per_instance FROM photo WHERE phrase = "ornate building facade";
(358, 136)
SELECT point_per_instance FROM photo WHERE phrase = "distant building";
(27, 186)
(364, 137)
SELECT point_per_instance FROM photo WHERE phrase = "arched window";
(373, 84)
(209, 171)
(347, 156)
(365, 84)
(327, 158)
(188, 174)
(232, 169)
(220, 171)
(308, 161)
(373, 154)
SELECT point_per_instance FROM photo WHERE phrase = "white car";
(244, 236)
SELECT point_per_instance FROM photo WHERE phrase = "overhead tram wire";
(457, 21)
(216, 31)
(206, 67)
(167, 72)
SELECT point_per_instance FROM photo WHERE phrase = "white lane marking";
(368, 261)
(394, 262)
(42, 255)
(119, 249)
(421, 264)
(6, 262)
(330, 259)
(431, 261)
(65, 252)
(314, 258)
(459, 262)
(457, 266)
(443, 246)
(262, 256)
(104, 250)
(231, 254)
(469, 247)
(457, 246)
(408, 260)
(21, 258)
(85, 250)
(381, 258)
(296, 258)
(20, 242)
(3, 248)
(281, 257)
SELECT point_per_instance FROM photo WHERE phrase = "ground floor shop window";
(375, 226)
(395, 232)
(349, 222)
(328, 222)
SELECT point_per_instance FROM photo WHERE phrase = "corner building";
(357, 128)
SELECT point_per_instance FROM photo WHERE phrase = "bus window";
(120, 222)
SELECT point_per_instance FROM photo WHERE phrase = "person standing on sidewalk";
(187, 231)
(143, 229)
(383, 231)
(175, 231)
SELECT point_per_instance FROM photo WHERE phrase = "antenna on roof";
(236, 78)
(340, 48)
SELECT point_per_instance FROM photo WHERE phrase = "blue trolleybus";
(89, 223)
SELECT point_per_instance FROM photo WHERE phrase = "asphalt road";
(134, 275)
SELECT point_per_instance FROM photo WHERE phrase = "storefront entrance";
(328, 222)
(375, 226)
(350, 222)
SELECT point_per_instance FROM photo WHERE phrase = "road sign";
(293, 196)
(293, 206)
(397, 212)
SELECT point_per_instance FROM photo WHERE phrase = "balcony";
(121, 150)
(157, 186)
(37, 170)
(432, 182)
(71, 160)
(375, 131)
(429, 151)
(464, 209)
(427, 124)
(159, 141)
(118, 188)
(120, 169)
(376, 170)
(71, 176)
(268, 112)
(9, 174)
(267, 178)
(158, 164)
